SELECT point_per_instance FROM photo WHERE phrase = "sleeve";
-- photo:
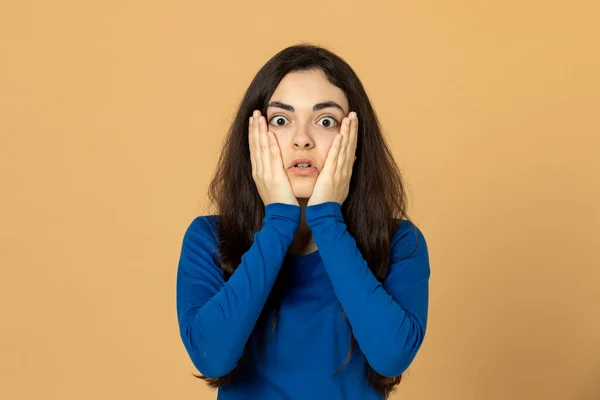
(388, 319)
(216, 317)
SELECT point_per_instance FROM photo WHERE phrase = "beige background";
(111, 117)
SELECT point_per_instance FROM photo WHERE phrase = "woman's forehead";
(305, 89)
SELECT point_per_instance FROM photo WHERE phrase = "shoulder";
(202, 235)
(204, 225)
(408, 242)
(409, 256)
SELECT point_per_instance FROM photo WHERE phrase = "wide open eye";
(277, 119)
(330, 122)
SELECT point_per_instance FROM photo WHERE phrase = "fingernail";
(255, 113)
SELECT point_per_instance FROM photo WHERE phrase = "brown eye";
(328, 122)
(277, 120)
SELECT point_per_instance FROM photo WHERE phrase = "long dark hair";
(376, 200)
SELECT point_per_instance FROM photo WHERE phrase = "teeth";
(303, 165)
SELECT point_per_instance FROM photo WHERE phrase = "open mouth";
(303, 169)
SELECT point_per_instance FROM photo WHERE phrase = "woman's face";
(305, 113)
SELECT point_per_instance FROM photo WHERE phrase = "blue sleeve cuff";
(290, 211)
(282, 209)
(317, 215)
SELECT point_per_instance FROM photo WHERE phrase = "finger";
(353, 142)
(275, 153)
(346, 123)
(251, 143)
(332, 155)
(264, 145)
(258, 156)
(255, 147)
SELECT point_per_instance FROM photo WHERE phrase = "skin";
(321, 135)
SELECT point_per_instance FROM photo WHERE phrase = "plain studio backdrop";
(112, 114)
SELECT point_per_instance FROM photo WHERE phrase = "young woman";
(310, 282)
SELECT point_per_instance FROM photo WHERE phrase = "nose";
(302, 138)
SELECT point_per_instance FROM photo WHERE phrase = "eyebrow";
(316, 107)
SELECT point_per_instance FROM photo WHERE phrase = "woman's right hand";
(268, 171)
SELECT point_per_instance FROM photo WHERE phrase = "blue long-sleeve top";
(311, 340)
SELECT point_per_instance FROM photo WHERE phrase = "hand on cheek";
(333, 182)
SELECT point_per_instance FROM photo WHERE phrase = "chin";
(304, 189)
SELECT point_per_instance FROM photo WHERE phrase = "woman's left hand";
(333, 182)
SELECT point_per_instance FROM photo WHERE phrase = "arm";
(388, 320)
(216, 317)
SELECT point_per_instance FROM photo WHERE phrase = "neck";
(302, 243)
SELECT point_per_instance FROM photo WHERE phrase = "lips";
(305, 160)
